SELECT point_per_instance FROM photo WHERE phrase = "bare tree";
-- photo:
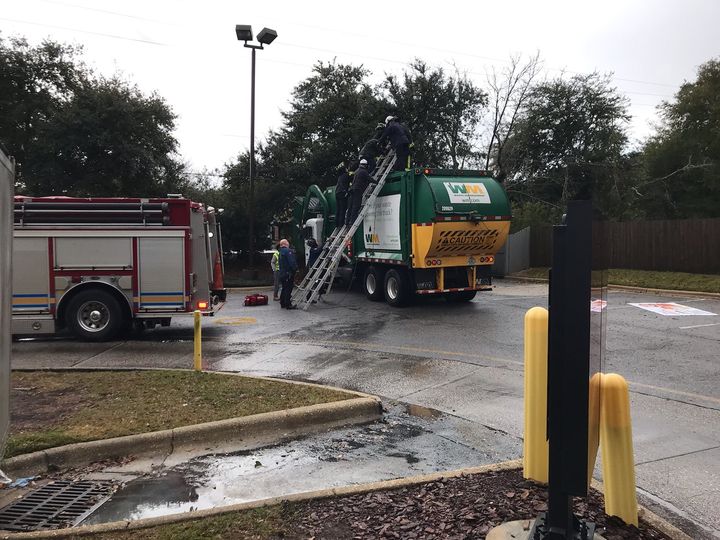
(508, 90)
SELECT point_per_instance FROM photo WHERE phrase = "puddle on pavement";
(402, 444)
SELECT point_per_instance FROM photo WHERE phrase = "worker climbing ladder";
(319, 278)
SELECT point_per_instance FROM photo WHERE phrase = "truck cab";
(313, 228)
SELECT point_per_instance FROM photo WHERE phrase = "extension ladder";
(323, 271)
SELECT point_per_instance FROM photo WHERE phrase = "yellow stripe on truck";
(457, 243)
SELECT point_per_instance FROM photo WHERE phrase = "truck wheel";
(462, 296)
(373, 283)
(94, 315)
(396, 288)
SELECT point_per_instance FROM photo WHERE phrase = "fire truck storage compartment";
(81, 253)
(31, 286)
(162, 276)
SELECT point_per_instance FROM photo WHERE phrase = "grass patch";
(679, 281)
(256, 524)
(50, 409)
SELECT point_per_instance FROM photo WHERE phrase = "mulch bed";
(453, 508)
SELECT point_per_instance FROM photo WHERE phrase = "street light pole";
(266, 36)
(251, 225)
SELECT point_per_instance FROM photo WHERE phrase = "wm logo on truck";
(467, 193)
(372, 238)
(465, 188)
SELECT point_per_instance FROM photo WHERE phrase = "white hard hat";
(387, 120)
(363, 162)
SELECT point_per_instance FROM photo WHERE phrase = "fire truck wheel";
(373, 284)
(397, 291)
(94, 315)
(462, 296)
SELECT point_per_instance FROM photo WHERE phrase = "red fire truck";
(94, 266)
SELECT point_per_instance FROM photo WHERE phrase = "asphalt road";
(466, 361)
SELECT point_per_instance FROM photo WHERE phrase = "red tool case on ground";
(256, 300)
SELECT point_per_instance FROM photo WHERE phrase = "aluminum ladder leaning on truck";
(95, 265)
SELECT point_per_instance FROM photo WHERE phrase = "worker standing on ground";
(275, 266)
(288, 267)
(399, 136)
(341, 194)
(361, 179)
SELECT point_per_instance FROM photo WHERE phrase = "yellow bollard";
(197, 357)
(617, 449)
(593, 422)
(535, 444)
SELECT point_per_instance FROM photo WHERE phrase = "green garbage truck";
(430, 231)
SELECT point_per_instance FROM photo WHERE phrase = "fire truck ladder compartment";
(319, 279)
(27, 213)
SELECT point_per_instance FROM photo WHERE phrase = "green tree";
(331, 114)
(108, 140)
(72, 133)
(442, 113)
(35, 82)
(683, 159)
(569, 142)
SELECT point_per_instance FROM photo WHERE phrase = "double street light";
(265, 37)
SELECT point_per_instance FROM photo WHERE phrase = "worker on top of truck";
(361, 180)
(399, 136)
(370, 151)
(379, 130)
(341, 194)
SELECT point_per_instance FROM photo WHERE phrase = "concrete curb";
(666, 292)
(646, 515)
(649, 517)
(629, 288)
(246, 432)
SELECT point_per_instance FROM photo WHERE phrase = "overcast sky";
(187, 50)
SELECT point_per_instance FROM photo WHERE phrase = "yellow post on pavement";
(617, 449)
(197, 357)
(535, 443)
(593, 422)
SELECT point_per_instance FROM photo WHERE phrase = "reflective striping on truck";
(29, 301)
(460, 289)
(147, 299)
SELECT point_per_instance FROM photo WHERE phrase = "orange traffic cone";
(217, 273)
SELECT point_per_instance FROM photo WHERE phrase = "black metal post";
(568, 375)
(251, 225)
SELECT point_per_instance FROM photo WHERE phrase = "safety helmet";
(388, 119)
(363, 162)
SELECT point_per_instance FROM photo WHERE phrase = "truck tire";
(397, 290)
(94, 315)
(373, 284)
(462, 296)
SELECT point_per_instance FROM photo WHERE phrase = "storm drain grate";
(59, 504)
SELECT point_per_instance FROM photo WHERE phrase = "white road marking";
(698, 326)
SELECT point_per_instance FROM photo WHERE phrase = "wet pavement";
(464, 361)
(407, 442)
